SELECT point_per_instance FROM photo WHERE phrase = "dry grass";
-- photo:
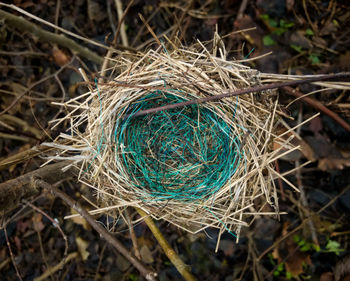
(197, 72)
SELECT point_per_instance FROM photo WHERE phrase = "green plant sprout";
(277, 27)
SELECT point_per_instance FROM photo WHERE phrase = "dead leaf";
(22, 225)
(289, 5)
(146, 255)
(326, 164)
(59, 57)
(18, 243)
(94, 11)
(37, 222)
(80, 220)
(305, 149)
(82, 246)
(327, 276)
(289, 253)
(295, 263)
(316, 125)
(254, 37)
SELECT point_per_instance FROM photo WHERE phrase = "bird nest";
(195, 166)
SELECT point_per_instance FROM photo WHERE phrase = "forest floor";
(305, 37)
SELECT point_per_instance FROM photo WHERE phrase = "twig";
(23, 156)
(319, 106)
(50, 37)
(100, 261)
(179, 23)
(55, 223)
(132, 234)
(171, 254)
(241, 10)
(274, 245)
(121, 24)
(301, 186)
(150, 29)
(241, 92)
(14, 102)
(149, 275)
(15, 190)
(57, 267)
(11, 253)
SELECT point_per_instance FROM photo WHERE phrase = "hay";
(208, 165)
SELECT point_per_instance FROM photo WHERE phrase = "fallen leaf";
(22, 225)
(289, 253)
(327, 276)
(254, 37)
(326, 164)
(37, 222)
(80, 220)
(95, 12)
(305, 149)
(289, 5)
(18, 243)
(146, 254)
(82, 246)
(59, 57)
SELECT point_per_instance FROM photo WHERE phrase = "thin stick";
(51, 37)
(11, 253)
(292, 231)
(114, 43)
(132, 235)
(121, 24)
(171, 254)
(149, 275)
(241, 92)
(52, 270)
(150, 29)
(319, 106)
(55, 223)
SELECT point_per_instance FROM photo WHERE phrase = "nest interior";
(198, 166)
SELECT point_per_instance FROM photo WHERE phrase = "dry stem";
(168, 250)
(243, 91)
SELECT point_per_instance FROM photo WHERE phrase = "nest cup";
(183, 154)
(198, 166)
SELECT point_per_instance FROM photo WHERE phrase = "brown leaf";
(254, 37)
(289, 252)
(95, 12)
(80, 220)
(37, 222)
(82, 246)
(327, 276)
(59, 57)
(326, 164)
(289, 5)
(146, 254)
(305, 149)
(18, 243)
(295, 263)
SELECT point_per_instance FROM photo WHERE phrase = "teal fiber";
(184, 154)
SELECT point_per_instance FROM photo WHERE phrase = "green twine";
(184, 154)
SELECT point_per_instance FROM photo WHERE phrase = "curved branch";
(319, 106)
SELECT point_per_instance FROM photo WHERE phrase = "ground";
(305, 37)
